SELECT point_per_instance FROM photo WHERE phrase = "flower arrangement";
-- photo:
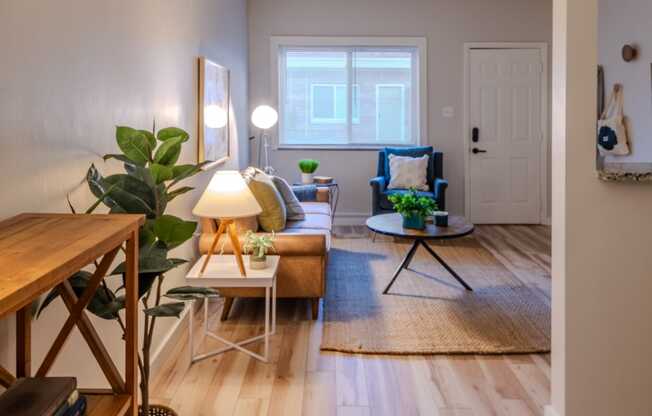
(413, 208)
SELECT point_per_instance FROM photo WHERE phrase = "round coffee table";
(392, 225)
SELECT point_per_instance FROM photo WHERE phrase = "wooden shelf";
(107, 404)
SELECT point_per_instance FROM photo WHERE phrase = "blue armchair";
(437, 185)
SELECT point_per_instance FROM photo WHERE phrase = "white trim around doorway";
(544, 215)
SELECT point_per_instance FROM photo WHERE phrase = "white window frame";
(402, 87)
(419, 96)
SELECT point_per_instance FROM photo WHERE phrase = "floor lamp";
(226, 198)
(264, 117)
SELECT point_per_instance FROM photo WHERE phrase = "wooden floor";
(301, 380)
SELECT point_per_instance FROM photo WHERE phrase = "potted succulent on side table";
(308, 168)
(150, 182)
(413, 208)
(258, 245)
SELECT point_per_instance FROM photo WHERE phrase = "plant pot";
(307, 178)
(414, 221)
(157, 410)
(257, 263)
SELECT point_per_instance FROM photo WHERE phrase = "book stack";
(47, 396)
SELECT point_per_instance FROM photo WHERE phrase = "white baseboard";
(351, 218)
(549, 411)
(547, 221)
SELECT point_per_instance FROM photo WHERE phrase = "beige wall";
(73, 69)
(602, 234)
(447, 25)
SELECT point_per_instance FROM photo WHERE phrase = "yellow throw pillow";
(274, 215)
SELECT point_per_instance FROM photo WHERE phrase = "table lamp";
(264, 117)
(226, 198)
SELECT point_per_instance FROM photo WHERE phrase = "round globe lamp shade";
(214, 116)
(264, 117)
(227, 196)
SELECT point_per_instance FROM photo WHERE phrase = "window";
(334, 93)
(328, 103)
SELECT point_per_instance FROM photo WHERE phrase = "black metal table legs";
(408, 258)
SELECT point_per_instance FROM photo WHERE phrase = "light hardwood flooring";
(301, 380)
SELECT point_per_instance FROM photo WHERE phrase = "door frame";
(542, 47)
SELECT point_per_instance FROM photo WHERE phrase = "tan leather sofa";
(303, 247)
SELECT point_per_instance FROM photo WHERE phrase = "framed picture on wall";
(214, 117)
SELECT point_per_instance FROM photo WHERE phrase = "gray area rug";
(427, 312)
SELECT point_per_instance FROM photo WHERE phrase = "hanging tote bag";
(612, 134)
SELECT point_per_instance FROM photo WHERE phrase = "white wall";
(447, 25)
(73, 69)
(624, 22)
(602, 234)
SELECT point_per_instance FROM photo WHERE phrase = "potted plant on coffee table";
(150, 182)
(413, 208)
(258, 245)
(308, 168)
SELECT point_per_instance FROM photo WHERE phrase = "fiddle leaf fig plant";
(151, 180)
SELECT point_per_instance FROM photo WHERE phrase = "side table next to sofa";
(222, 272)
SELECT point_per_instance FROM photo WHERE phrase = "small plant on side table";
(258, 245)
(308, 168)
(413, 208)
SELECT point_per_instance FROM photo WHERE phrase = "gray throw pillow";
(293, 207)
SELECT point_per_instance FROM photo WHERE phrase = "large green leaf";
(119, 157)
(134, 144)
(173, 231)
(179, 191)
(103, 304)
(146, 234)
(191, 293)
(166, 309)
(161, 173)
(182, 172)
(168, 153)
(99, 187)
(132, 194)
(170, 132)
(150, 138)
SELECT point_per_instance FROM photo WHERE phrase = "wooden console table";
(41, 251)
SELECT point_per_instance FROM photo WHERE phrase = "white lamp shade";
(264, 117)
(214, 116)
(227, 196)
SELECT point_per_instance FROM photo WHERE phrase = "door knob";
(476, 151)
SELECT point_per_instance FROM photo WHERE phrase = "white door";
(505, 136)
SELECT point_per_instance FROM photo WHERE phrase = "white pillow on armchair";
(408, 172)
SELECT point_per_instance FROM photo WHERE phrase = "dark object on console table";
(43, 396)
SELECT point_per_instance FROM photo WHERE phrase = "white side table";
(222, 272)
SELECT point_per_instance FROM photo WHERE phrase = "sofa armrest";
(439, 190)
(284, 244)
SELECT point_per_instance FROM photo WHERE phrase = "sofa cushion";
(292, 204)
(274, 215)
(386, 204)
(312, 221)
(316, 208)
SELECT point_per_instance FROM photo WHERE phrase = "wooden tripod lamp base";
(227, 226)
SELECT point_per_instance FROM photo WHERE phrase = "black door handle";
(476, 151)
(475, 135)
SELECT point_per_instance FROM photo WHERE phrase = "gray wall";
(73, 69)
(447, 25)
